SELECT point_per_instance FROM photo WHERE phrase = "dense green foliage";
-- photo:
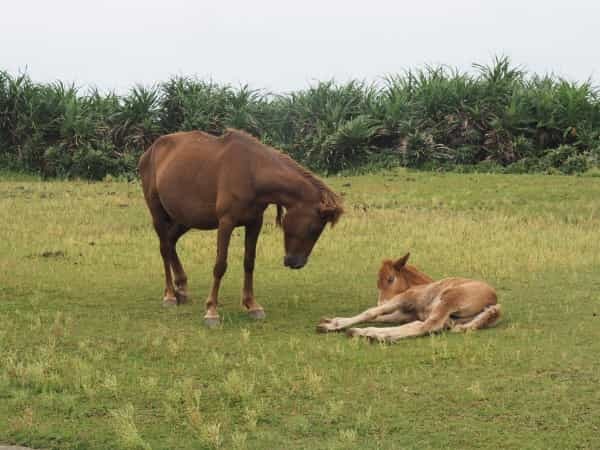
(498, 119)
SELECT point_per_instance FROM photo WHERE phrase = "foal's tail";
(485, 319)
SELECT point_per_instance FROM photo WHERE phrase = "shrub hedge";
(497, 118)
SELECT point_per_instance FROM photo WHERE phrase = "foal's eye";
(390, 279)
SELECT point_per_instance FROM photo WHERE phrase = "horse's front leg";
(438, 319)
(398, 317)
(339, 323)
(389, 334)
(248, 302)
(211, 318)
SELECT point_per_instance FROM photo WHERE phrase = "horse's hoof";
(212, 322)
(322, 328)
(257, 314)
(182, 298)
(374, 340)
(168, 302)
(351, 332)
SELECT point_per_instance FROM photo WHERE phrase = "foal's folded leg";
(438, 320)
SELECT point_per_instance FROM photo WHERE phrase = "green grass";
(90, 359)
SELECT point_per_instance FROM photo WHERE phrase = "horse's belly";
(201, 221)
(193, 213)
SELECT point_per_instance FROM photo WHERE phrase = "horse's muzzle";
(294, 261)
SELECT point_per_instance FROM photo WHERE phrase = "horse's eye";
(390, 279)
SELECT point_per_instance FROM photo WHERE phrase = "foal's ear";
(400, 262)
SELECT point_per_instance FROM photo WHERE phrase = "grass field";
(90, 360)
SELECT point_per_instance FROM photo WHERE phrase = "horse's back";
(184, 147)
(191, 173)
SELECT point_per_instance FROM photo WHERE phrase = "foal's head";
(302, 225)
(396, 277)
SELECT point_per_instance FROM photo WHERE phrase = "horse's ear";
(279, 217)
(330, 213)
(400, 262)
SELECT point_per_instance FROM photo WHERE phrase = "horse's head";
(395, 277)
(302, 226)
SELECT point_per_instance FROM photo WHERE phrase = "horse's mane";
(329, 199)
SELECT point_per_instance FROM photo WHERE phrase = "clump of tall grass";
(498, 117)
(237, 386)
(126, 429)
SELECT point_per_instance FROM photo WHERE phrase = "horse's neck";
(285, 185)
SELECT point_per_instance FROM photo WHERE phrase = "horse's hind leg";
(485, 319)
(174, 233)
(168, 233)
(162, 223)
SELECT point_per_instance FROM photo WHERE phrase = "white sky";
(283, 45)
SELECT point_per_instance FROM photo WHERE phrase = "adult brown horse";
(197, 180)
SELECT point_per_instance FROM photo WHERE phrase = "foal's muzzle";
(294, 261)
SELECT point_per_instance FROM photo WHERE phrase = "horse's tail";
(144, 161)
(146, 172)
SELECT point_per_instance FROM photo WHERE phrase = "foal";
(409, 297)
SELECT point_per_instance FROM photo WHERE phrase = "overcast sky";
(281, 46)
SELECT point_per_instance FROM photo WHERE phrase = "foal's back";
(464, 296)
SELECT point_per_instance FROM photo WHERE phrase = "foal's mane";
(414, 275)
(329, 199)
